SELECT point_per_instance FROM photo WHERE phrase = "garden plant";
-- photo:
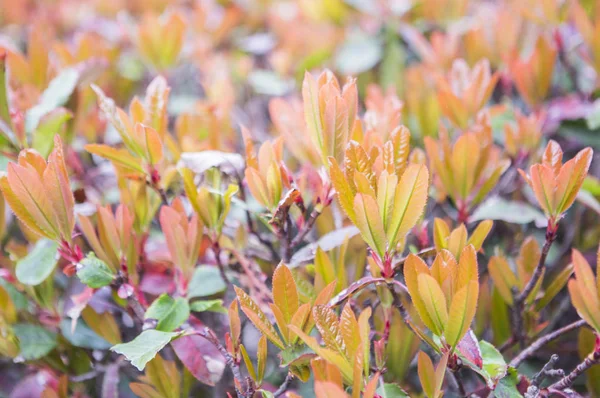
(310, 198)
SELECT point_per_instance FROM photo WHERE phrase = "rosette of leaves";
(382, 195)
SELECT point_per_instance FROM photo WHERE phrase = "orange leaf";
(285, 293)
(413, 267)
(258, 318)
(328, 325)
(350, 331)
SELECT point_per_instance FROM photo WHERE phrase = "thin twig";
(459, 384)
(286, 240)
(542, 341)
(251, 224)
(284, 386)
(566, 381)
(209, 335)
(306, 229)
(217, 250)
(136, 306)
(519, 299)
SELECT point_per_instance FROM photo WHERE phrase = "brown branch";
(519, 299)
(306, 229)
(284, 386)
(587, 363)
(209, 335)
(251, 224)
(542, 341)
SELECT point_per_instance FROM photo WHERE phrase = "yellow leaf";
(248, 362)
(27, 188)
(503, 277)
(281, 322)
(152, 143)
(462, 311)
(368, 221)
(434, 301)
(570, 179)
(119, 157)
(335, 126)
(19, 208)
(465, 156)
(409, 203)
(386, 189)
(258, 318)
(467, 267)
(299, 320)
(480, 233)
(426, 373)
(583, 272)
(457, 240)
(587, 306)
(261, 357)
(364, 330)
(328, 325)
(330, 356)
(344, 192)
(58, 189)
(441, 232)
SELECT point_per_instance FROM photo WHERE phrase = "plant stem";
(542, 341)
(519, 300)
(587, 363)
(286, 240)
(251, 224)
(307, 228)
(217, 251)
(459, 384)
(209, 335)
(284, 386)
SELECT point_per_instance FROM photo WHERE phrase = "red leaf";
(200, 357)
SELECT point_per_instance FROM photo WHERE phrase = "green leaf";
(18, 298)
(509, 211)
(48, 127)
(389, 390)
(327, 242)
(507, 386)
(493, 361)
(269, 82)
(593, 117)
(94, 272)
(34, 341)
(82, 336)
(144, 347)
(57, 94)
(266, 394)
(206, 281)
(358, 54)
(170, 313)
(38, 265)
(208, 305)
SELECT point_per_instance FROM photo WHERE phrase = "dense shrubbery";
(197, 200)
